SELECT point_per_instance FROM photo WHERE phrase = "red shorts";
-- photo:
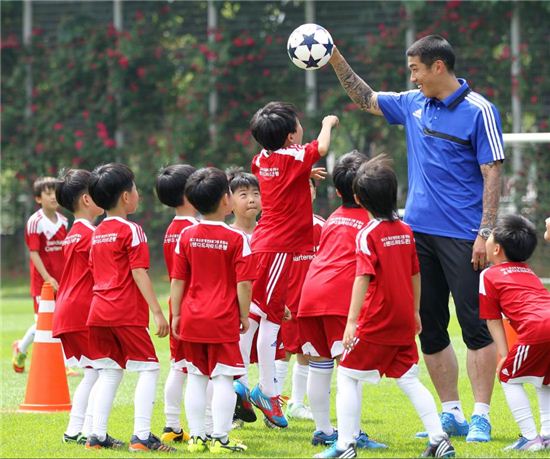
(527, 363)
(321, 336)
(129, 348)
(269, 290)
(290, 336)
(370, 361)
(76, 348)
(214, 359)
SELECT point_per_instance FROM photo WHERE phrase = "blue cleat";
(333, 451)
(522, 444)
(364, 442)
(450, 426)
(480, 429)
(321, 438)
(269, 406)
(243, 406)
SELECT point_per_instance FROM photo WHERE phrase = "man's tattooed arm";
(359, 91)
(491, 193)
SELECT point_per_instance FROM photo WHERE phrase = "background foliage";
(149, 85)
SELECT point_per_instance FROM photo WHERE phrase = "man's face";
(422, 76)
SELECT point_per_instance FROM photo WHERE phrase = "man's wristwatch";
(485, 232)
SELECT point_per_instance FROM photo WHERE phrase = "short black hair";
(376, 187)
(108, 182)
(517, 236)
(432, 48)
(72, 184)
(271, 124)
(344, 173)
(42, 184)
(205, 189)
(238, 178)
(170, 185)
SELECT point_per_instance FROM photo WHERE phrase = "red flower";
(266, 73)
(158, 52)
(76, 161)
(109, 143)
(165, 9)
(79, 133)
(85, 114)
(534, 99)
(133, 87)
(453, 4)
(152, 141)
(58, 126)
(139, 15)
(101, 126)
(123, 62)
(34, 108)
(111, 52)
(111, 30)
(250, 41)
(140, 71)
(268, 40)
(37, 31)
(78, 145)
(39, 148)
(218, 37)
(475, 24)
(61, 138)
(238, 42)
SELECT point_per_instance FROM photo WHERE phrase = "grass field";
(387, 415)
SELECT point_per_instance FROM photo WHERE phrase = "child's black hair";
(271, 124)
(72, 184)
(517, 236)
(238, 178)
(376, 187)
(108, 182)
(205, 188)
(344, 173)
(170, 185)
(42, 184)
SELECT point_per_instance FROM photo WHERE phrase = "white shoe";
(298, 411)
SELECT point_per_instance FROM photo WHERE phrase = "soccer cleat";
(321, 438)
(298, 410)
(109, 443)
(546, 441)
(243, 407)
(269, 406)
(217, 446)
(170, 435)
(442, 449)
(364, 442)
(333, 451)
(269, 424)
(237, 424)
(77, 439)
(450, 426)
(480, 429)
(197, 445)
(18, 361)
(152, 443)
(522, 444)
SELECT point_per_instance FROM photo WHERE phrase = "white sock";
(144, 400)
(208, 420)
(80, 402)
(223, 405)
(27, 339)
(347, 406)
(281, 370)
(195, 404)
(267, 346)
(107, 385)
(521, 409)
(89, 419)
(481, 409)
(423, 403)
(245, 344)
(455, 408)
(357, 429)
(173, 395)
(318, 393)
(299, 382)
(543, 394)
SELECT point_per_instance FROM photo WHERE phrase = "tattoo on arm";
(359, 91)
(491, 192)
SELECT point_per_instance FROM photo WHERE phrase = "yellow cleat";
(169, 435)
(230, 446)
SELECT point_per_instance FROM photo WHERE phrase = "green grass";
(387, 414)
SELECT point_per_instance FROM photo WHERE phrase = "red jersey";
(386, 252)
(118, 246)
(171, 238)
(299, 267)
(283, 175)
(329, 280)
(74, 296)
(45, 237)
(514, 290)
(214, 258)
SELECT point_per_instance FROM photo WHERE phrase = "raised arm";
(359, 91)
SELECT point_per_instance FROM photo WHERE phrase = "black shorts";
(445, 267)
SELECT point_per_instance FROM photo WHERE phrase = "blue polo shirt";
(447, 141)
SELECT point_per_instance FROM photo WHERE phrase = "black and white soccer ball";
(310, 46)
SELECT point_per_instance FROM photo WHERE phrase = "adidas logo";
(418, 113)
(505, 372)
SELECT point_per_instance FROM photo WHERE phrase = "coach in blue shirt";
(454, 143)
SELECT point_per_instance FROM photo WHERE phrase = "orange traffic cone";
(47, 388)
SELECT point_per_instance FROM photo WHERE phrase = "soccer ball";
(310, 46)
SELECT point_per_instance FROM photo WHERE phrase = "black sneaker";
(78, 439)
(442, 449)
(152, 443)
(95, 443)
